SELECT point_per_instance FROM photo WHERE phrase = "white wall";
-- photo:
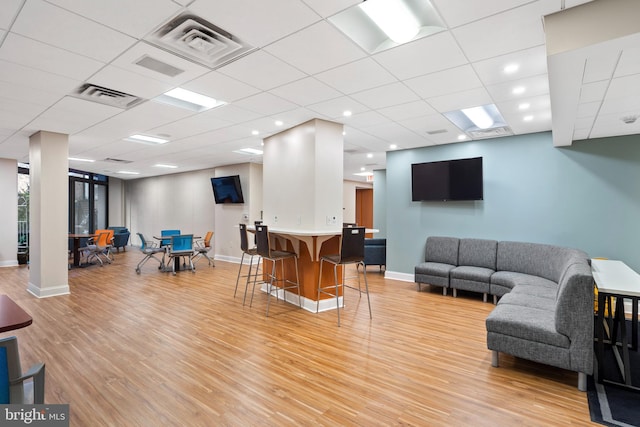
(9, 212)
(116, 202)
(349, 199)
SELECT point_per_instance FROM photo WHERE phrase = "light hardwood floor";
(157, 350)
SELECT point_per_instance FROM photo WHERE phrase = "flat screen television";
(459, 179)
(227, 189)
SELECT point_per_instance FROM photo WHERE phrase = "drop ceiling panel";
(55, 26)
(16, 94)
(627, 106)
(436, 124)
(386, 96)
(234, 114)
(72, 115)
(629, 63)
(306, 91)
(8, 11)
(393, 133)
(534, 86)
(316, 49)
(623, 87)
(40, 56)
(258, 22)
(135, 18)
(128, 82)
(601, 67)
(458, 100)
(189, 126)
(366, 119)
(221, 87)
(265, 103)
(427, 55)
(127, 61)
(335, 108)
(443, 82)
(357, 76)
(327, 8)
(589, 109)
(591, 92)
(494, 36)
(531, 62)
(27, 77)
(407, 111)
(608, 124)
(261, 70)
(459, 12)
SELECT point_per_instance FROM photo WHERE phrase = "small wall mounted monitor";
(227, 189)
(459, 179)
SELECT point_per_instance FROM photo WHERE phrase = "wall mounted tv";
(227, 189)
(459, 179)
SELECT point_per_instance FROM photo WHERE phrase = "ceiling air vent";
(120, 161)
(436, 132)
(158, 66)
(201, 41)
(490, 133)
(103, 95)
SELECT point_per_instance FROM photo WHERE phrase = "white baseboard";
(9, 263)
(49, 291)
(396, 275)
(307, 304)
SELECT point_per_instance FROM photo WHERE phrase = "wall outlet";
(245, 217)
(332, 220)
(275, 218)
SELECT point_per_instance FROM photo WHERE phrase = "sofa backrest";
(118, 230)
(478, 253)
(375, 242)
(548, 261)
(442, 249)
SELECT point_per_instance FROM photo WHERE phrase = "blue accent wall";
(586, 196)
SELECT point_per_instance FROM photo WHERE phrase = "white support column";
(8, 213)
(49, 214)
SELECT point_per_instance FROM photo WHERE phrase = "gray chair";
(275, 257)
(150, 249)
(441, 256)
(16, 387)
(251, 253)
(477, 259)
(351, 252)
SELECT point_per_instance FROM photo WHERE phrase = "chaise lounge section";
(545, 310)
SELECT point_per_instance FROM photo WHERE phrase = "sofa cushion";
(527, 323)
(434, 269)
(526, 300)
(443, 250)
(478, 253)
(510, 279)
(477, 274)
(540, 291)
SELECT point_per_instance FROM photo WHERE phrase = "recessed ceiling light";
(527, 118)
(524, 106)
(369, 155)
(363, 173)
(146, 139)
(393, 17)
(344, 133)
(77, 159)
(393, 146)
(518, 90)
(511, 68)
(279, 123)
(479, 117)
(363, 169)
(160, 165)
(462, 137)
(128, 173)
(249, 151)
(255, 132)
(347, 113)
(193, 101)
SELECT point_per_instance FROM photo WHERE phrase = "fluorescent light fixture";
(160, 165)
(393, 17)
(146, 139)
(253, 151)
(78, 159)
(192, 101)
(479, 117)
(128, 173)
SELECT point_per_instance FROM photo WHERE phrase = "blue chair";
(149, 249)
(181, 246)
(16, 387)
(168, 234)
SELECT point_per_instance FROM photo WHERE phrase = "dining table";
(76, 245)
(12, 316)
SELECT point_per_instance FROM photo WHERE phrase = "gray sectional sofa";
(545, 311)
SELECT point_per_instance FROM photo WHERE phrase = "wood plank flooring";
(161, 350)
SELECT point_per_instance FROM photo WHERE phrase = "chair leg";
(298, 282)
(238, 278)
(270, 286)
(335, 277)
(366, 287)
(319, 286)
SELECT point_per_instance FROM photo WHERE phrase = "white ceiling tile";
(306, 91)
(385, 96)
(629, 63)
(219, 86)
(626, 106)
(624, 87)
(496, 35)
(443, 82)
(394, 133)
(601, 66)
(265, 103)
(458, 100)
(297, 116)
(458, 12)
(580, 134)
(591, 92)
(316, 49)
(573, 3)
(262, 70)
(12, 92)
(193, 125)
(531, 62)
(40, 56)
(357, 76)
(537, 85)
(128, 82)
(259, 23)
(327, 8)
(71, 115)
(233, 114)
(135, 18)
(366, 119)
(52, 25)
(8, 11)
(427, 55)
(335, 108)
(407, 111)
(21, 75)
(589, 109)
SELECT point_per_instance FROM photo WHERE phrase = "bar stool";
(351, 252)
(275, 256)
(251, 252)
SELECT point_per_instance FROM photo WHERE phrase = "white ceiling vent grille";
(158, 66)
(490, 133)
(200, 41)
(103, 95)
